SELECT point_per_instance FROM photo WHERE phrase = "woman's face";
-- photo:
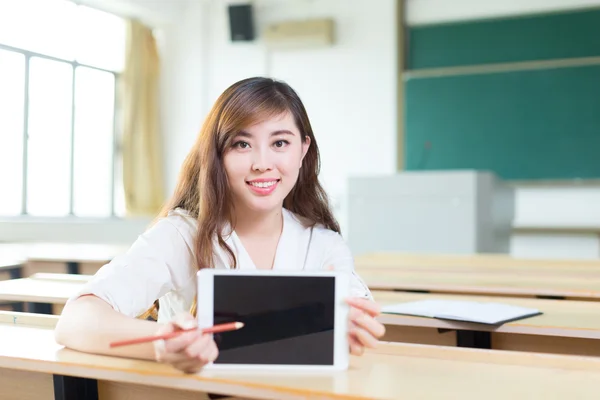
(263, 163)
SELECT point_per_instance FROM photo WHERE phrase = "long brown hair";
(202, 188)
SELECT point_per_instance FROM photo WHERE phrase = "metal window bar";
(25, 137)
(28, 54)
(115, 148)
(72, 150)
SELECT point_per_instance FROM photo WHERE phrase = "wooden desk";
(566, 327)
(44, 295)
(489, 284)
(75, 278)
(482, 262)
(73, 255)
(33, 366)
(495, 270)
(11, 268)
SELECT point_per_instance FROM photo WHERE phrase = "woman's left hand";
(365, 330)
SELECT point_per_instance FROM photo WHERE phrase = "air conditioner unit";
(299, 34)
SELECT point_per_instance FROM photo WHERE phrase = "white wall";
(560, 221)
(183, 51)
(349, 89)
(421, 12)
(72, 229)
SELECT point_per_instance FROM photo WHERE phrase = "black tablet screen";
(288, 320)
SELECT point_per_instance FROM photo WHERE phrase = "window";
(59, 68)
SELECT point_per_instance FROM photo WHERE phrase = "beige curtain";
(142, 164)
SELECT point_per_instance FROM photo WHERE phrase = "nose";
(262, 161)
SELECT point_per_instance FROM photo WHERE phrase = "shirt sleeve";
(340, 258)
(158, 262)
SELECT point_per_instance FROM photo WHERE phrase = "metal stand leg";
(39, 308)
(474, 339)
(15, 273)
(73, 267)
(73, 388)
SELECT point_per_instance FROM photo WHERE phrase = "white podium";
(444, 212)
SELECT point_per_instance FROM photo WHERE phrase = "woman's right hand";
(189, 351)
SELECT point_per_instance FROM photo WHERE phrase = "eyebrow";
(274, 133)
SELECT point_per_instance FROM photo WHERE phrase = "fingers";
(189, 367)
(364, 337)
(355, 313)
(210, 353)
(185, 321)
(181, 342)
(355, 347)
(364, 330)
(199, 352)
(203, 349)
(202, 355)
(370, 325)
(366, 305)
(189, 351)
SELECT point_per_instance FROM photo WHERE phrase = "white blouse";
(161, 264)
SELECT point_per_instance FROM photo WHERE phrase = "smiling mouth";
(263, 184)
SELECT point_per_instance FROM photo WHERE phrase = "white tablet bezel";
(342, 290)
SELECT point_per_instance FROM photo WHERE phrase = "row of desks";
(393, 370)
(482, 275)
(566, 327)
(72, 258)
(481, 261)
(35, 367)
(497, 275)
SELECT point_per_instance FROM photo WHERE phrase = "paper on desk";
(470, 311)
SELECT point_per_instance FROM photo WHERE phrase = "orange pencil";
(230, 326)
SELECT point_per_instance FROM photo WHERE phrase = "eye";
(241, 145)
(281, 143)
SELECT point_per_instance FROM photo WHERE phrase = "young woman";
(248, 197)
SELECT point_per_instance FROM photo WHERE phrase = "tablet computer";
(292, 320)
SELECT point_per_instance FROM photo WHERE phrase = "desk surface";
(39, 290)
(502, 284)
(478, 263)
(564, 318)
(486, 259)
(10, 263)
(63, 252)
(392, 371)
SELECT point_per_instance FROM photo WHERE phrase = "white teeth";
(263, 184)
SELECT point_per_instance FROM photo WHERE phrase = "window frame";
(116, 148)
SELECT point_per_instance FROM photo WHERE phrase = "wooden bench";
(565, 327)
(33, 366)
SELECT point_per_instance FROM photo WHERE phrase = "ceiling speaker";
(241, 24)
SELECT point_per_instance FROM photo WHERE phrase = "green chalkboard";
(538, 124)
(526, 38)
